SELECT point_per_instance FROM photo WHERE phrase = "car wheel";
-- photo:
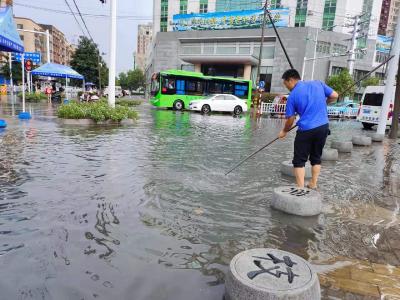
(238, 110)
(178, 105)
(367, 126)
(206, 109)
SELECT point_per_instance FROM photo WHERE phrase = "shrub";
(33, 97)
(129, 102)
(98, 111)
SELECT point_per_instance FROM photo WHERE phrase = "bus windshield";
(155, 84)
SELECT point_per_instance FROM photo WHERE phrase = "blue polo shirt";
(308, 100)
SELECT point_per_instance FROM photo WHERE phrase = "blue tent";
(10, 40)
(58, 71)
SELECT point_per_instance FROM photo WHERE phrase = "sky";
(140, 12)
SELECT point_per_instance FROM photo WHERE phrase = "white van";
(371, 107)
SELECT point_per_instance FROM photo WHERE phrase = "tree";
(370, 81)
(86, 60)
(341, 83)
(16, 70)
(132, 80)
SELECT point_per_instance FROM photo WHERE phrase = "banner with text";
(35, 57)
(244, 19)
(384, 43)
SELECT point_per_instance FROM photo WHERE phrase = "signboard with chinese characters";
(244, 19)
(384, 43)
(35, 57)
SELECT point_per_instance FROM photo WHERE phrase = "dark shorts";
(309, 145)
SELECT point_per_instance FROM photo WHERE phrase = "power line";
(64, 12)
(83, 20)
(79, 24)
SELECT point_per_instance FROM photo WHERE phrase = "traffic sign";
(262, 84)
(35, 57)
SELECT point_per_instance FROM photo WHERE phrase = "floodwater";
(146, 212)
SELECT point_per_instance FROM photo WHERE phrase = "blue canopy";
(58, 71)
(10, 40)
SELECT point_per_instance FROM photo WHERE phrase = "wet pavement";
(145, 212)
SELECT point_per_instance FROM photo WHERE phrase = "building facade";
(234, 53)
(325, 14)
(33, 42)
(144, 38)
(60, 49)
(392, 18)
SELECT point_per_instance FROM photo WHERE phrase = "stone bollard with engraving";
(296, 201)
(270, 274)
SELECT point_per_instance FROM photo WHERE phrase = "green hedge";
(129, 102)
(33, 97)
(97, 111)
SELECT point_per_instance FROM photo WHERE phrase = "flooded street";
(146, 212)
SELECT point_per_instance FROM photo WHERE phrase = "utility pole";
(11, 76)
(113, 52)
(353, 46)
(262, 42)
(390, 81)
(99, 68)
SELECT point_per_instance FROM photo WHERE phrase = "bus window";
(214, 87)
(155, 84)
(194, 87)
(168, 86)
(241, 91)
(228, 88)
(373, 99)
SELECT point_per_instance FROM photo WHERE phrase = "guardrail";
(333, 112)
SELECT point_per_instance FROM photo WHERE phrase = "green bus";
(175, 88)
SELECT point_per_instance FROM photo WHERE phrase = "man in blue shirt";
(309, 100)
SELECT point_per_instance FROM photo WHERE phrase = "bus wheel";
(238, 110)
(178, 105)
(206, 109)
(368, 126)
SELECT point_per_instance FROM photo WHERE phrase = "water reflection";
(116, 212)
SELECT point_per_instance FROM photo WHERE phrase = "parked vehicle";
(176, 88)
(219, 103)
(342, 109)
(371, 107)
(118, 92)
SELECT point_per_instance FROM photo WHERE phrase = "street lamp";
(113, 52)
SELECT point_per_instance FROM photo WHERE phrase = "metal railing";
(273, 109)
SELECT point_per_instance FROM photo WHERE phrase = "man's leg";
(300, 173)
(301, 154)
(316, 170)
(317, 148)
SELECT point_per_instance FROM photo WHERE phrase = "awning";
(10, 40)
(58, 71)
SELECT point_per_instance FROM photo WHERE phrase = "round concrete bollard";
(287, 169)
(330, 155)
(269, 274)
(361, 140)
(296, 201)
(343, 147)
(376, 137)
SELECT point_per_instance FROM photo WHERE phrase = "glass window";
(336, 70)
(191, 49)
(339, 49)
(20, 26)
(214, 87)
(219, 97)
(208, 49)
(323, 47)
(301, 13)
(226, 49)
(381, 57)
(168, 86)
(203, 6)
(268, 52)
(229, 97)
(228, 88)
(373, 99)
(194, 87)
(183, 6)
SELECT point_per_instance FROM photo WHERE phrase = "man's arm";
(288, 125)
(332, 98)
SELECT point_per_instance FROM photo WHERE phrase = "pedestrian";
(48, 91)
(309, 100)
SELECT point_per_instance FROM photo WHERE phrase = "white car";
(219, 103)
